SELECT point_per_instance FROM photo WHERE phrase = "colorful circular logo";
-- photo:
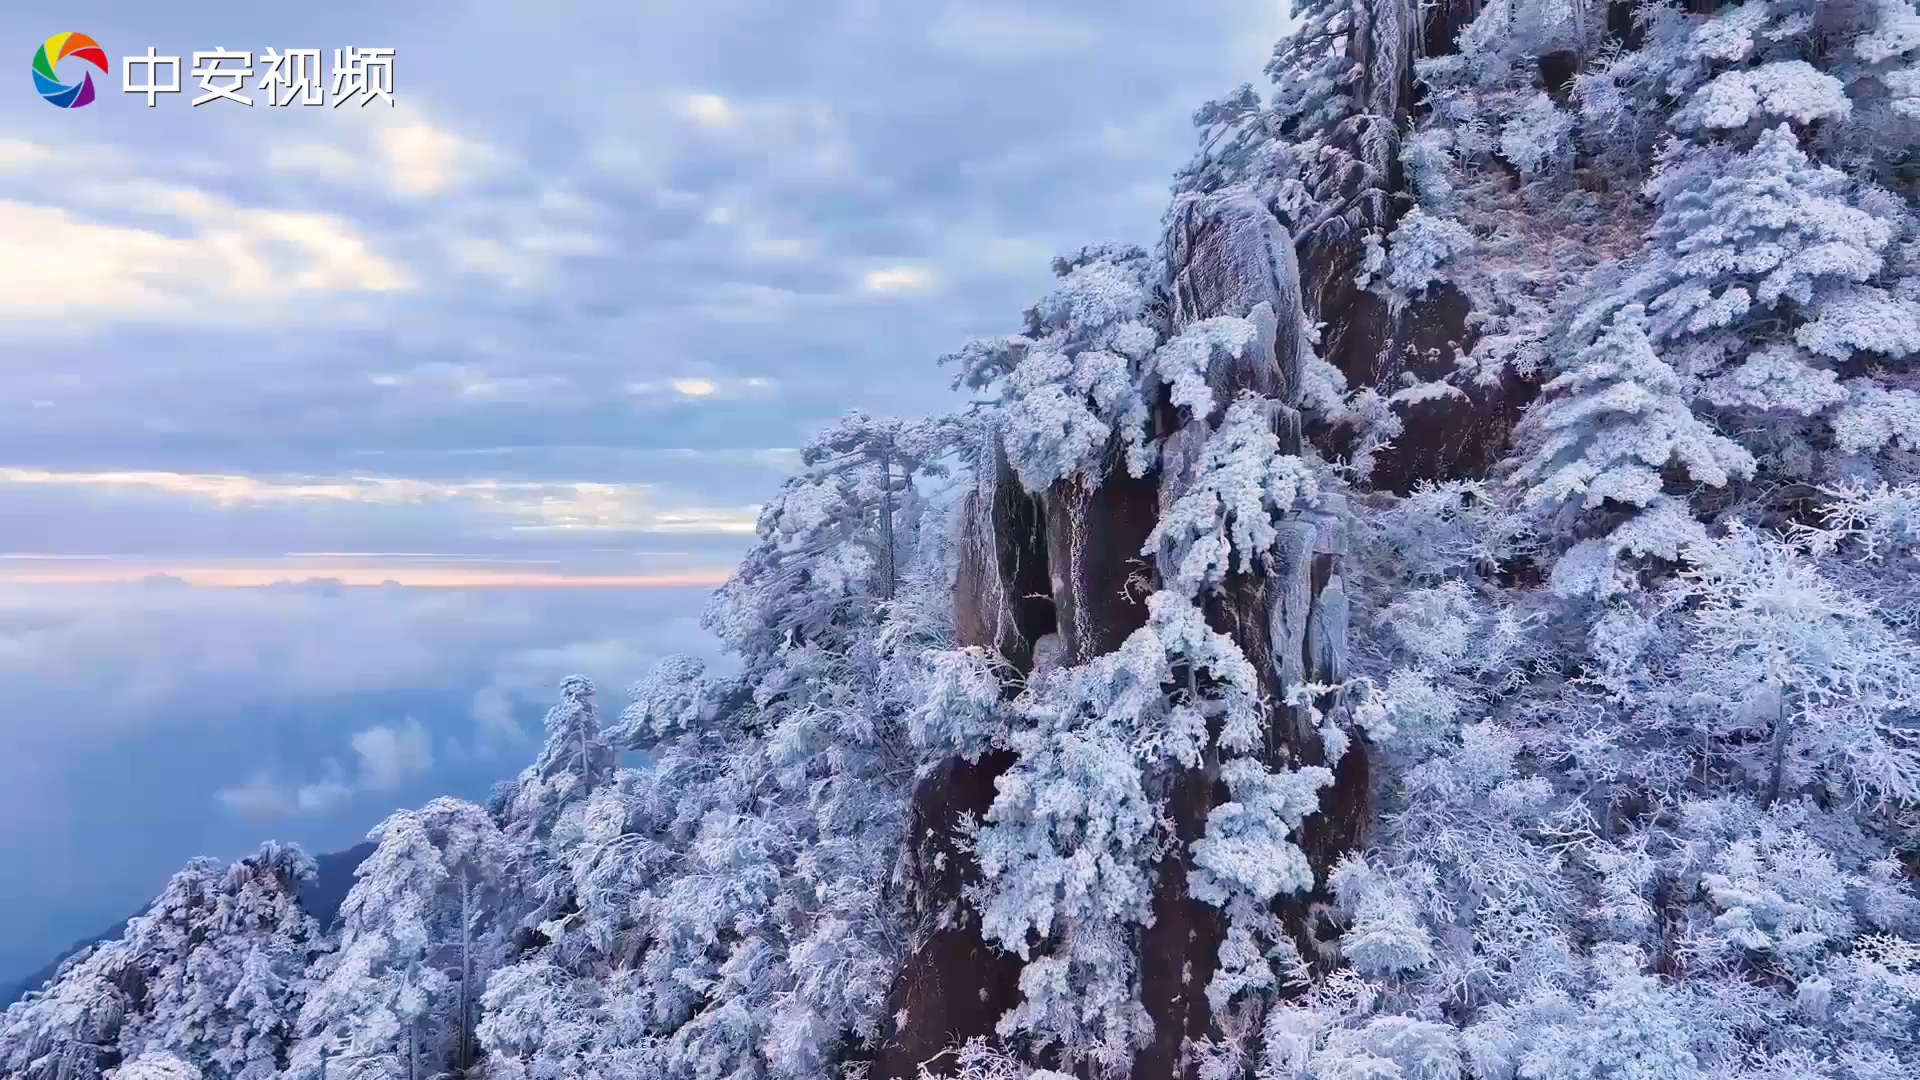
(58, 48)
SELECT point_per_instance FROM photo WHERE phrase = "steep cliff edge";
(1228, 253)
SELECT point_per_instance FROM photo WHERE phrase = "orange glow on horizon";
(78, 573)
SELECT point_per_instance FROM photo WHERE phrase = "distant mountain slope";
(329, 890)
(322, 899)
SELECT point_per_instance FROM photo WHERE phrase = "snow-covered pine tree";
(431, 914)
(543, 813)
(542, 1015)
(574, 760)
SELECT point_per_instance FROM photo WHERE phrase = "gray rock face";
(1050, 580)
(1229, 255)
(1049, 654)
(1233, 256)
(1058, 581)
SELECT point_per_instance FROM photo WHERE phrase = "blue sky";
(531, 344)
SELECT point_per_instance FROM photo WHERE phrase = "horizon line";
(361, 577)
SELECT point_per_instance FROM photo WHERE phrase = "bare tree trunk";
(886, 516)
(586, 759)
(1781, 733)
(466, 968)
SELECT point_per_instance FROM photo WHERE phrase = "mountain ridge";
(322, 899)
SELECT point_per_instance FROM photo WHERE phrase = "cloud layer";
(145, 723)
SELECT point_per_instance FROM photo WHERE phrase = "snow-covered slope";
(321, 897)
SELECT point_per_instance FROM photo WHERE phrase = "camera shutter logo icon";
(47, 80)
